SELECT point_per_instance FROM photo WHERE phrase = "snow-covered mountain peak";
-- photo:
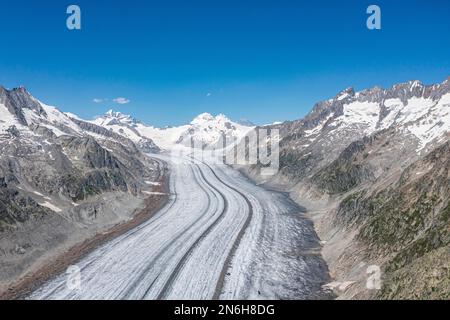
(208, 119)
(414, 84)
(112, 113)
(202, 118)
(218, 124)
(207, 129)
(115, 117)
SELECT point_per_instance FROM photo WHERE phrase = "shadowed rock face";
(92, 153)
(17, 208)
(75, 167)
(345, 172)
(145, 145)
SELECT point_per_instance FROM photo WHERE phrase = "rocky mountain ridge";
(371, 168)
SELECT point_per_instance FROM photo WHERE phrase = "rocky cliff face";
(15, 207)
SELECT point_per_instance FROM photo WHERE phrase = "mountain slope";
(405, 224)
(371, 167)
(62, 180)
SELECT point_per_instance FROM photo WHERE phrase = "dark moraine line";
(227, 263)
(183, 260)
(150, 266)
(219, 285)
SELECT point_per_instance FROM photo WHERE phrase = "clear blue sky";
(260, 60)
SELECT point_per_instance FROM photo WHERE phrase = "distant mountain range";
(205, 129)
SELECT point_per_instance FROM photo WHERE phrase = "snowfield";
(219, 237)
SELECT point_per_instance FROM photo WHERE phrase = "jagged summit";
(112, 113)
(119, 115)
(348, 92)
(115, 117)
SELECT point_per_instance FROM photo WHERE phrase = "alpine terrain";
(359, 208)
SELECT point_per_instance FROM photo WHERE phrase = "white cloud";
(208, 94)
(97, 100)
(121, 100)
